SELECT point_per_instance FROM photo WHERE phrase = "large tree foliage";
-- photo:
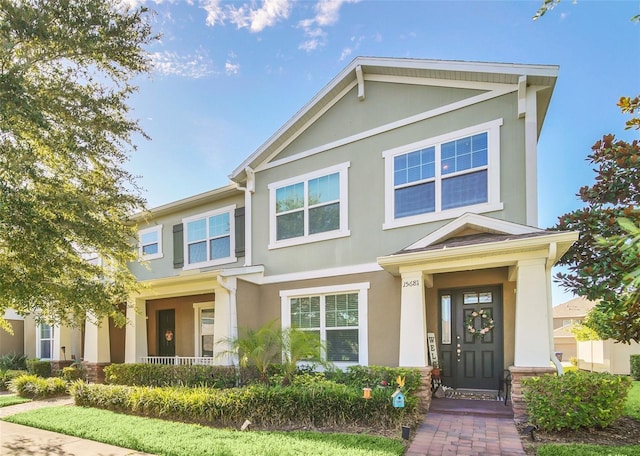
(66, 69)
(601, 263)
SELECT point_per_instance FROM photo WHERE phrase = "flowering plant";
(486, 321)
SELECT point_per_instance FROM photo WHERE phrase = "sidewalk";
(457, 432)
(17, 440)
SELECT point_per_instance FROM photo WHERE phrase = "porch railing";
(178, 360)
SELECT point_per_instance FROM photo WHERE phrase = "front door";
(471, 337)
(167, 332)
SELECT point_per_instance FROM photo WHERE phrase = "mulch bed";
(625, 431)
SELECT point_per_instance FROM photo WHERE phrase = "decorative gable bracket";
(360, 78)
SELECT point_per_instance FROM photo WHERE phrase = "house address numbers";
(410, 283)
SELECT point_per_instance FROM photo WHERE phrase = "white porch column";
(96, 341)
(413, 321)
(225, 325)
(135, 343)
(533, 311)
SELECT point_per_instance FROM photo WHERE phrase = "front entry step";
(471, 407)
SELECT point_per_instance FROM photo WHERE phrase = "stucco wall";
(10, 344)
(383, 309)
(606, 356)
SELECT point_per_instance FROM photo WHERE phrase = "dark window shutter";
(178, 246)
(239, 215)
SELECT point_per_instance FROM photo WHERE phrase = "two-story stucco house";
(397, 202)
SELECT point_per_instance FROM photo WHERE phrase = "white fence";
(606, 356)
(178, 360)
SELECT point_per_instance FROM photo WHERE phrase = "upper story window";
(309, 208)
(337, 315)
(443, 177)
(209, 238)
(150, 243)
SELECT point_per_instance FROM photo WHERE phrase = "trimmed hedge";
(576, 399)
(169, 375)
(39, 368)
(324, 404)
(35, 387)
(635, 367)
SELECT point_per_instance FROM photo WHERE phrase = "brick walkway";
(465, 435)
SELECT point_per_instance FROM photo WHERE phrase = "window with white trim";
(150, 243)
(204, 319)
(337, 315)
(443, 177)
(209, 238)
(45, 341)
(308, 208)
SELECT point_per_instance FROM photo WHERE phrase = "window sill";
(443, 215)
(309, 239)
(155, 256)
(206, 264)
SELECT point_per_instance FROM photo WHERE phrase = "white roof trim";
(442, 65)
(473, 221)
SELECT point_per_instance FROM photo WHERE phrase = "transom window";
(150, 242)
(444, 176)
(337, 316)
(309, 208)
(208, 239)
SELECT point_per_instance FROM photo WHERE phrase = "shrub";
(70, 374)
(372, 376)
(635, 367)
(13, 361)
(575, 399)
(326, 404)
(169, 375)
(7, 376)
(39, 368)
(574, 361)
(32, 386)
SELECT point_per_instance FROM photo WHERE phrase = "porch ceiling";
(480, 251)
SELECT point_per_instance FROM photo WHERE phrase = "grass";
(632, 407)
(587, 450)
(11, 399)
(176, 439)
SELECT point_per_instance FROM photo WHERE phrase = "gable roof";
(477, 241)
(574, 308)
(362, 67)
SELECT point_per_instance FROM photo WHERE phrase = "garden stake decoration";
(366, 393)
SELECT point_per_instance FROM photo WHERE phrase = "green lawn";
(632, 409)
(177, 439)
(11, 399)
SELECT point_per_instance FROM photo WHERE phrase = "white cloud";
(247, 15)
(194, 66)
(347, 51)
(326, 13)
(231, 68)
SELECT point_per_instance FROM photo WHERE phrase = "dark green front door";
(471, 359)
(167, 332)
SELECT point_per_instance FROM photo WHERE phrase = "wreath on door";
(486, 326)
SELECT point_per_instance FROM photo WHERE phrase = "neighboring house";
(12, 343)
(565, 317)
(399, 200)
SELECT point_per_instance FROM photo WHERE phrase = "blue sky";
(228, 74)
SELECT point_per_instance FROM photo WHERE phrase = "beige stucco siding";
(12, 343)
(383, 309)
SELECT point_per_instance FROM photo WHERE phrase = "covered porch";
(476, 295)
